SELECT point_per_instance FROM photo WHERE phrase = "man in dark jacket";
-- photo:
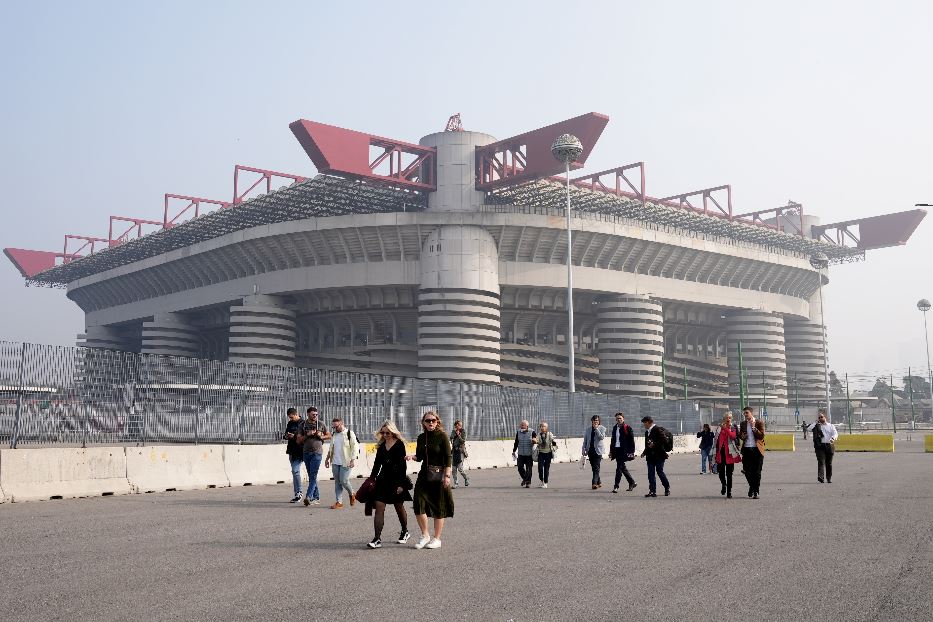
(752, 442)
(655, 455)
(622, 449)
(294, 451)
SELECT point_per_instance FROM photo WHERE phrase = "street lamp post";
(820, 262)
(567, 149)
(924, 305)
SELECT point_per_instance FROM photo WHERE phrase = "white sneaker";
(543, 485)
(314, 502)
(423, 542)
(433, 544)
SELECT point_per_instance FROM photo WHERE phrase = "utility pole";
(910, 395)
(796, 400)
(685, 383)
(893, 411)
(663, 379)
(848, 410)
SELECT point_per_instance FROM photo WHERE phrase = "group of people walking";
(306, 447)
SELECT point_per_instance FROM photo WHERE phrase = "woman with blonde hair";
(727, 454)
(392, 483)
(432, 489)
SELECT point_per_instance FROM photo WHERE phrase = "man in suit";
(824, 443)
(622, 449)
(752, 441)
(655, 455)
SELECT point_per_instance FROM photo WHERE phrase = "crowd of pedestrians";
(441, 461)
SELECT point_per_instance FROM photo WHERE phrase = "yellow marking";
(865, 442)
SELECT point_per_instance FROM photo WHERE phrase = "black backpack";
(668, 439)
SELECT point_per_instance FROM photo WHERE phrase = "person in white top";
(824, 443)
(342, 458)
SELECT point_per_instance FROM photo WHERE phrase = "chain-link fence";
(80, 396)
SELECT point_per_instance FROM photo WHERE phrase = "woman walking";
(458, 452)
(392, 484)
(547, 445)
(593, 448)
(727, 454)
(432, 490)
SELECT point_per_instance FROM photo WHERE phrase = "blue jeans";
(341, 480)
(296, 474)
(704, 458)
(312, 464)
(659, 468)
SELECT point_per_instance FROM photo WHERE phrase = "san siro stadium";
(446, 260)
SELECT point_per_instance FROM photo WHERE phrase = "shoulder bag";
(432, 474)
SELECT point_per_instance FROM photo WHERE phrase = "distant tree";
(918, 384)
(881, 388)
(836, 388)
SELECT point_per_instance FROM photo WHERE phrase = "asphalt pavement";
(860, 548)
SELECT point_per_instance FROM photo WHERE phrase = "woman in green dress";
(432, 492)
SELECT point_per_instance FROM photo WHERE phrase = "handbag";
(365, 490)
(534, 452)
(432, 474)
(734, 452)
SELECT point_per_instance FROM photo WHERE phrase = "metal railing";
(54, 395)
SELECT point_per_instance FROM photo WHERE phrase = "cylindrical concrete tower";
(803, 341)
(262, 331)
(631, 345)
(102, 338)
(169, 334)
(458, 306)
(456, 170)
(762, 338)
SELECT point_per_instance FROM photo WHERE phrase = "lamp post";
(924, 305)
(820, 262)
(567, 149)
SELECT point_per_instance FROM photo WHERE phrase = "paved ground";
(859, 549)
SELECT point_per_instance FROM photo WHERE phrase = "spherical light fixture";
(924, 305)
(819, 261)
(567, 148)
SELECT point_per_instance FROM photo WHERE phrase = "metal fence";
(79, 396)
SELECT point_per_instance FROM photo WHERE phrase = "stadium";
(446, 259)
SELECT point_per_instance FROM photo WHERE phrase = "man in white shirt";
(751, 433)
(824, 443)
(341, 457)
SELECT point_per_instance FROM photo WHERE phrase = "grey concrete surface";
(858, 549)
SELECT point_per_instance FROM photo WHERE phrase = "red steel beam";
(338, 151)
(264, 176)
(528, 156)
(874, 231)
(193, 202)
(88, 241)
(596, 181)
(780, 215)
(30, 263)
(683, 201)
(135, 223)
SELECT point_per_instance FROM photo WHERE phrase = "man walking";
(293, 450)
(752, 437)
(655, 454)
(341, 457)
(622, 449)
(312, 436)
(824, 443)
(521, 451)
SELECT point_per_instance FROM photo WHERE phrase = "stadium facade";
(446, 260)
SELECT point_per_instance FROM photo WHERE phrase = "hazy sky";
(108, 105)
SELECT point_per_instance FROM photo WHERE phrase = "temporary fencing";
(55, 395)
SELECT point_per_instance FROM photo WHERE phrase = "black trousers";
(622, 471)
(525, 468)
(824, 461)
(544, 466)
(725, 471)
(595, 460)
(752, 461)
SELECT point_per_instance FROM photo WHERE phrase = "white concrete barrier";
(490, 454)
(42, 474)
(256, 465)
(2, 496)
(176, 467)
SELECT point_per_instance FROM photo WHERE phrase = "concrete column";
(762, 337)
(103, 338)
(804, 345)
(458, 306)
(262, 331)
(631, 345)
(170, 334)
(456, 171)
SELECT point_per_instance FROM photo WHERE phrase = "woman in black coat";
(392, 483)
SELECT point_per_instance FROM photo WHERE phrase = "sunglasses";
(429, 421)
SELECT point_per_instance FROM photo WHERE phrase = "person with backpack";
(593, 438)
(342, 455)
(622, 449)
(658, 442)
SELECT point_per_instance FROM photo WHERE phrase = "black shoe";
(631, 487)
(819, 479)
(728, 495)
(375, 543)
(615, 490)
(652, 494)
(750, 493)
(723, 491)
(296, 499)
(667, 492)
(755, 496)
(403, 537)
(829, 481)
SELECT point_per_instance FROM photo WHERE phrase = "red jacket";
(726, 436)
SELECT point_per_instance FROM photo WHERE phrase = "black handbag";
(432, 474)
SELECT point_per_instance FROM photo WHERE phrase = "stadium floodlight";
(567, 148)
(820, 262)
